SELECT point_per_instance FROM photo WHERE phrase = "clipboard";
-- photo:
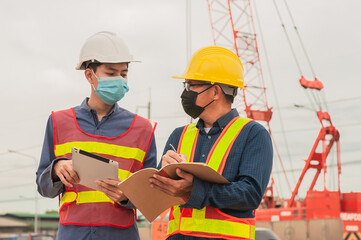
(152, 202)
(91, 167)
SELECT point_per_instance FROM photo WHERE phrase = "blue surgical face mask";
(111, 89)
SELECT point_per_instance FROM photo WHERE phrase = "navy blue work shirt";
(248, 168)
(115, 123)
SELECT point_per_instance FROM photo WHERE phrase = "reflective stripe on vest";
(210, 227)
(80, 205)
(101, 148)
(190, 134)
(123, 174)
(216, 224)
(84, 197)
(220, 150)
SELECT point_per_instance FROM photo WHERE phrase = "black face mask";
(189, 99)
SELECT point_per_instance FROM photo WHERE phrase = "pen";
(180, 154)
(172, 147)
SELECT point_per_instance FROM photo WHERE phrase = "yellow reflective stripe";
(199, 214)
(123, 174)
(101, 148)
(224, 142)
(173, 225)
(216, 226)
(188, 140)
(92, 197)
(67, 197)
(85, 197)
(198, 223)
(253, 232)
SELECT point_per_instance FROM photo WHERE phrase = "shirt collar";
(84, 107)
(220, 123)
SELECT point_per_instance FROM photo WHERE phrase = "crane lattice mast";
(233, 27)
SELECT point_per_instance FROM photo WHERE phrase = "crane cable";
(276, 100)
(307, 56)
(300, 39)
(319, 96)
(288, 38)
(311, 96)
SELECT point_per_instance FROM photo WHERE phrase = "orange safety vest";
(210, 222)
(81, 205)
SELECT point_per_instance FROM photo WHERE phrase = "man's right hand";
(63, 170)
(173, 157)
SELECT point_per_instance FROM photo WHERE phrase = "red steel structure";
(321, 214)
(233, 28)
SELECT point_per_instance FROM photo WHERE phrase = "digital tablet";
(91, 167)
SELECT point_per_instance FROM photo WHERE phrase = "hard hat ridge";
(215, 64)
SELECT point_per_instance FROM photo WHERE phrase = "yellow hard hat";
(216, 65)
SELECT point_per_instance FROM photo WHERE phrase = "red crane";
(232, 24)
(322, 214)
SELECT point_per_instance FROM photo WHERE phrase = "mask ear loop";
(208, 104)
(94, 73)
(204, 91)
(95, 77)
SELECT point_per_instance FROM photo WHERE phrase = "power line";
(297, 156)
(17, 168)
(22, 149)
(17, 186)
(313, 129)
(355, 162)
(22, 199)
(328, 102)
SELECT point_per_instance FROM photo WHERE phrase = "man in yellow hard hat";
(238, 148)
(100, 126)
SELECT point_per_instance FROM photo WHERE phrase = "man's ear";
(217, 91)
(89, 75)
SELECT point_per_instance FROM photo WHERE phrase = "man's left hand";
(110, 188)
(176, 188)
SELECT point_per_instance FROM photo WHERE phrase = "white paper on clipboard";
(91, 167)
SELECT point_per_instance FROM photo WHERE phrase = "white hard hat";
(104, 47)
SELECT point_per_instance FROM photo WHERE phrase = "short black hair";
(92, 65)
(229, 98)
(95, 65)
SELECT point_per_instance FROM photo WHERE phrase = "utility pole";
(149, 105)
(188, 30)
(189, 35)
(36, 220)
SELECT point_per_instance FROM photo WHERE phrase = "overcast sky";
(40, 44)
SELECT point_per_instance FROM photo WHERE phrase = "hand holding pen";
(172, 156)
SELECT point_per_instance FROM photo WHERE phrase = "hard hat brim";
(200, 79)
(79, 66)
(190, 78)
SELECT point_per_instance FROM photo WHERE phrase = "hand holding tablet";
(91, 167)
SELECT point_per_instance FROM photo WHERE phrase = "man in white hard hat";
(100, 126)
(238, 148)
